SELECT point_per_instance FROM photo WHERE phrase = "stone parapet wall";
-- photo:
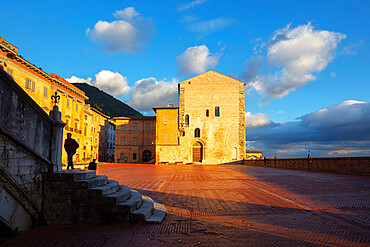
(351, 165)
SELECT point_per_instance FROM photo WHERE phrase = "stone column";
(56, 145)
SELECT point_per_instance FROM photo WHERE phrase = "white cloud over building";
(196, 60)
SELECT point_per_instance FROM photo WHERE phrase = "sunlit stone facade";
(208, 127)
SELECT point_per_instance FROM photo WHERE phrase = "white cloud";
(126, 34)
(111, 82)
(189, 5)
(196, 60)
(294, 57)
(340, 129)
(149, 92)
(257, 120)
(209, 26)
(344, 114)
(75, 79)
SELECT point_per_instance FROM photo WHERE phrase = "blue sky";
(297, 57)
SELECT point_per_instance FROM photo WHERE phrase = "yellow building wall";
(74, 117)
(167, 132)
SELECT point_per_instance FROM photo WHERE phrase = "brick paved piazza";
(230, 205)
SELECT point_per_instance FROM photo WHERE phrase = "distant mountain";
(107, 103)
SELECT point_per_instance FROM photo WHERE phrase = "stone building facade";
(135, 139)
(107, 141)
(82, 121)
(208, 127)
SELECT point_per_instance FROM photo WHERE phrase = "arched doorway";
(197, 152)
(147, 156)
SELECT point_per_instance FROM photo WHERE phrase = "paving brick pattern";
(229, 205)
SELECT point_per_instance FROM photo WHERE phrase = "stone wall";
(351, 165)
(222, 138)
(25, 153)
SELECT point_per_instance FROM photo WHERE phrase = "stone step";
(133, 202)
(144, 211)
(111, 187)
(121, 195)
(159, 213)
(97, 181)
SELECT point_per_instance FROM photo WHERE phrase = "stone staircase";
(82, 197)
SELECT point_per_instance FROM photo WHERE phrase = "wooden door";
(197, 152)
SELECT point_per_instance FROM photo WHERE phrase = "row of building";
(207, 127)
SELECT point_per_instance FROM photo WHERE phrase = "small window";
(123, 126)
(165, 136)
(76, 125)
(134, 156)
(187, 119)
(134, 141)
(197, 132)
(85, 131)
(147, 126)
(207, 113)
(67, 102)
(136, 126)
(45, 92)
(10, 72)
(85, 117)
(76, 106)
(123, 140)
(96, 139)
(28, 83)
(165, 120)
(217, 111)
(78, 140)
(33, 86)
(122, 156)
(147, 141)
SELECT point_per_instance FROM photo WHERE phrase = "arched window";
(207, 113)
(197, 132)
(186, 119)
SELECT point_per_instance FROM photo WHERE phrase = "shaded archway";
(197, 152)
(147, 156)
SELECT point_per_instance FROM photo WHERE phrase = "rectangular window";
(134, 156)
(165, 120)
(67, 102)
(122, 156)
(78, 140)
(165, 136)
(33, 86)
(123, 126)
(147, 126)
(85, 131)
(10, 72)
(45, 92)
(147, 141)
(123, 140)
(76, 106)
(28, 83)
(217, 111)
(76, 125)
(134, 141)
(136, 126)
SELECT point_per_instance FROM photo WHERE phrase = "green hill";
(108, 104)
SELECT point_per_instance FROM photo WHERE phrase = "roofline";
(58, 81)
(208, 72)
(164, 107)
